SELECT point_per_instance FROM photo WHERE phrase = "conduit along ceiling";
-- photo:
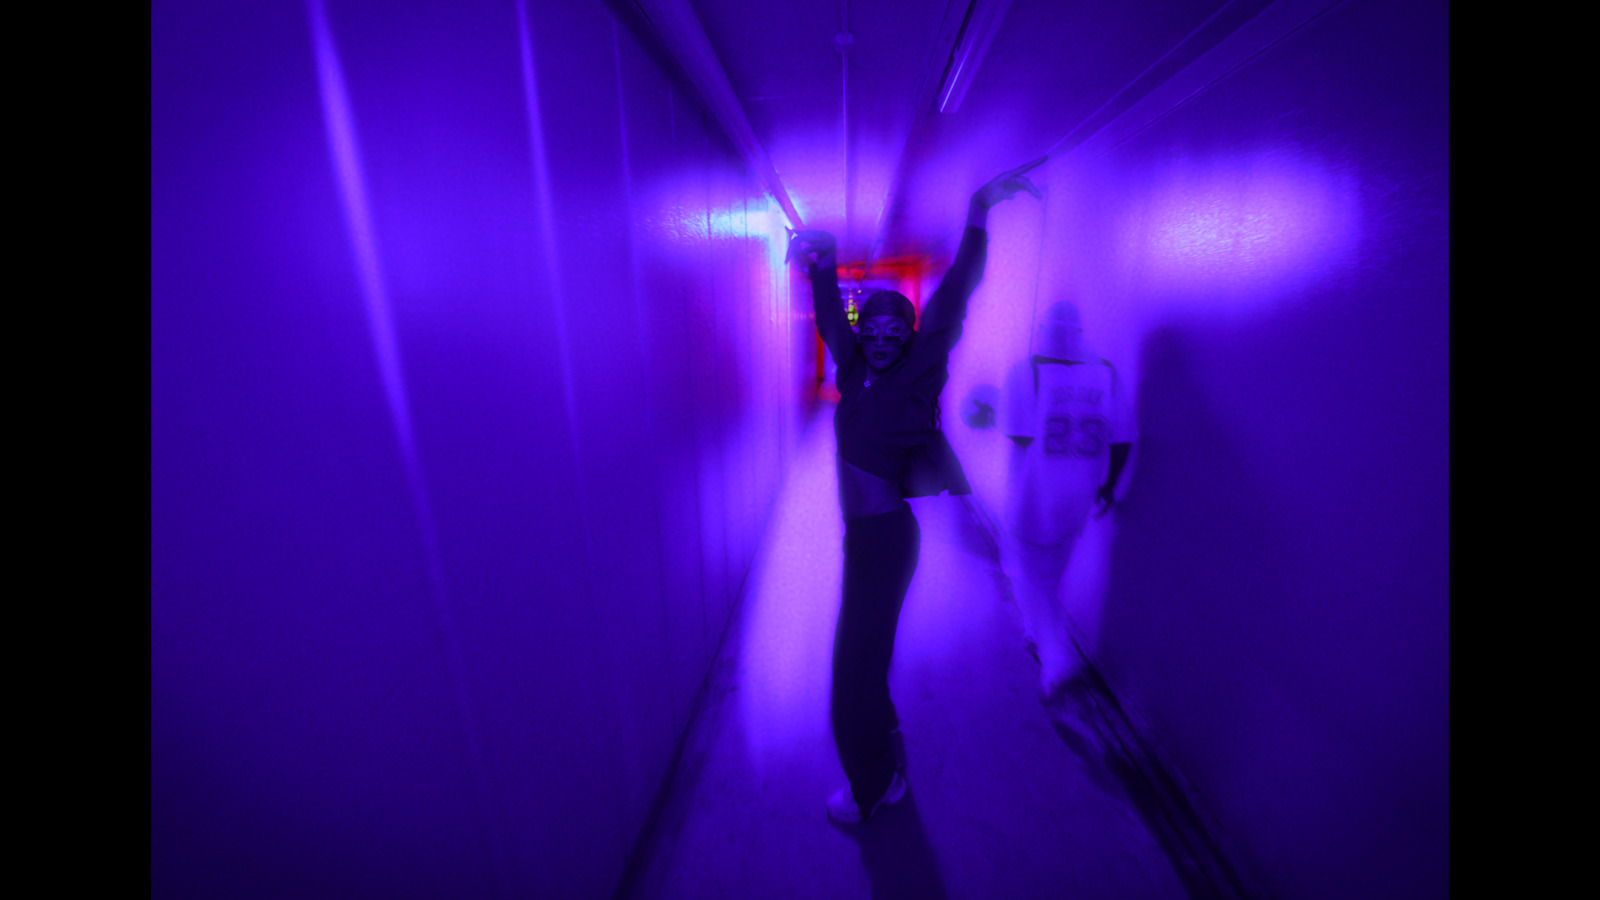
(880, 118)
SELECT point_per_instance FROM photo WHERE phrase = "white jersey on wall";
(1074, 415)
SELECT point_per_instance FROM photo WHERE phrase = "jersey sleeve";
(1016, 402)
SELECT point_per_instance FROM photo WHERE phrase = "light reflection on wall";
(1238, 230)
(673, 211)
(344, 150)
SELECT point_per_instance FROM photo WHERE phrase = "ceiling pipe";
(686, 40)
(1258, 27)
(957, 18)
(978, 29)
(842, 42)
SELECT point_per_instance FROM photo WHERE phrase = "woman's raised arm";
(947, 308)
(816, 252)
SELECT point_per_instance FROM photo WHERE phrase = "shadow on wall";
(1211, 540)
(1196, 558)
(1228, 624)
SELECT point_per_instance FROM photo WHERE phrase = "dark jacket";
(887, 428)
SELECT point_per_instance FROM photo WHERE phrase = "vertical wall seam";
(544, 202)
(683, 288)
(651, 421)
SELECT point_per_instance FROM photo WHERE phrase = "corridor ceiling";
(854, 134)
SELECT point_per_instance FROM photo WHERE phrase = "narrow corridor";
(999, 806)
(495, 545)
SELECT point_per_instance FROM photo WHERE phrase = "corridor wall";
(473, 376)
(1268, 266)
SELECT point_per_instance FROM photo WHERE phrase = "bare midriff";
(862, 493)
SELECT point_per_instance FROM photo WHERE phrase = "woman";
(890, 448)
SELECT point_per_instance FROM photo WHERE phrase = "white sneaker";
(842, 805)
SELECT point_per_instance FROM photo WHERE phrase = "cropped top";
(887, 427)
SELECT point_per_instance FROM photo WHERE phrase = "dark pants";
(880, 556)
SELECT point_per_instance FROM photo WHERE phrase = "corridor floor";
(999, 806)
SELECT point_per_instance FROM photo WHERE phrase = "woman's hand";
(813, 249)
(1007, 184)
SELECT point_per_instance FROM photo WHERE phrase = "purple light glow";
(472, 430)
(1245, 227)
(551, 257)
(346, 157)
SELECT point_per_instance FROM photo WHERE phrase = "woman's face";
(883, 340)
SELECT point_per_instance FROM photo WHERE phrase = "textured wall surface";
(473, 376)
